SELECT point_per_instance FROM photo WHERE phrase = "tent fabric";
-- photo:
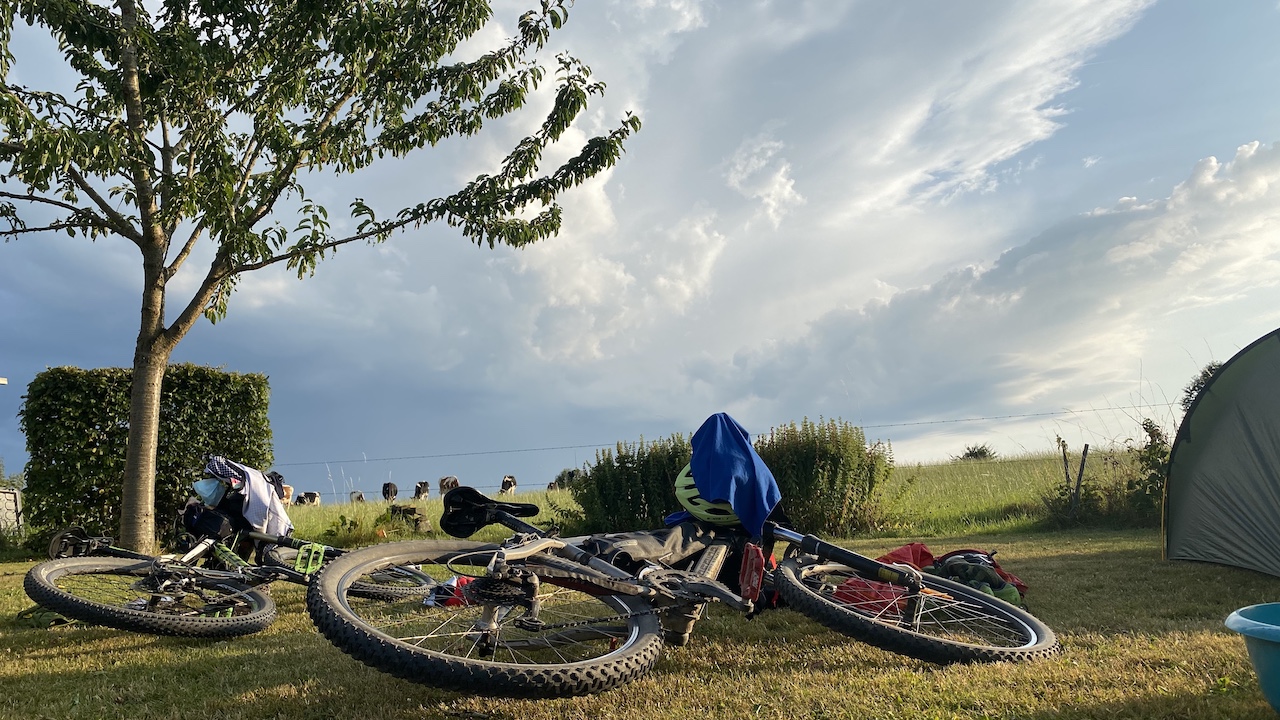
(1222, 499)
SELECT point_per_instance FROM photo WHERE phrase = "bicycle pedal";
(310, 558)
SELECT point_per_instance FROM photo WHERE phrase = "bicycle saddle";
(466, 510)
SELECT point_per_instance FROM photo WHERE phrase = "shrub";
(76, 423)
(1121, 486)
(1197, 383)
(828, 474)
(976, 452)
(631, 487)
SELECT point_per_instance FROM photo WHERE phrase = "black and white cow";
(422, 490)
(508, 485)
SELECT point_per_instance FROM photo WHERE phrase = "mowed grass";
(1142, 638)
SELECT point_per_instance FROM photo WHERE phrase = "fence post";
(1075, 496)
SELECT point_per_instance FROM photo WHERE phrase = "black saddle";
(466, 510)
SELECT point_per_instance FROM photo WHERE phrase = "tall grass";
(1006, 495)
(967, 496)
(350, 525)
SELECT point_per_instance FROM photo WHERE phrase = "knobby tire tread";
(903, 641)
(40, 586)
(471, 675)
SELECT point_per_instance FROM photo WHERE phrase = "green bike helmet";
(717, 513)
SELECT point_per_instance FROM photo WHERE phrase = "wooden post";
(1066, 470)
(1075, 496)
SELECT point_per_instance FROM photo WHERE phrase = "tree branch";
(380, 230)
(291, 168)
(173, 267)
(117, 222)
(41, 199)
(136, 120)
(26, 230)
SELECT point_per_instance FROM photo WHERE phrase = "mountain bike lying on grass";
(542, 616)
(210, 589)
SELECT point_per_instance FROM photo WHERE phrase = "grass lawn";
(1142, 638)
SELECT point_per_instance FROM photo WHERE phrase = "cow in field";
(422, 490)
(508, 485)
(447, 483)
(309, 498)
(356, 496)
(389, 491)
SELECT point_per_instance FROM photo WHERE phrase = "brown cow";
(447, 483)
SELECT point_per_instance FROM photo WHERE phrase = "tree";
(1193, 388)
(190, 128)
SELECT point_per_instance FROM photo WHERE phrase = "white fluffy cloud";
(839, 208)
(1055, 322)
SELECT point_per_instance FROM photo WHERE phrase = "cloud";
(1052, 322)
(757, 172)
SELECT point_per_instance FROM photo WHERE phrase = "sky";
(949, 223)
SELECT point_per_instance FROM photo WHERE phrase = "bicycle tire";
(390, 585)
(591, 642)
(958, 624)
(112, 592)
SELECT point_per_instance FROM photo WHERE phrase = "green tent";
(1222, 500)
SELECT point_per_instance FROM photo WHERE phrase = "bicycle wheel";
(127, 595)
(484, 637)
(956, 623)
(389, 584)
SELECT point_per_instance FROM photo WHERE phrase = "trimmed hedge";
(77, 426)
(827, 473)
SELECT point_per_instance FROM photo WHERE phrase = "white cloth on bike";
(262, 506)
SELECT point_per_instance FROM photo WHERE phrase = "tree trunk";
(137, 517)
(150, 358)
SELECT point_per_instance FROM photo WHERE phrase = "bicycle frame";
(700, 581)
(312, 555)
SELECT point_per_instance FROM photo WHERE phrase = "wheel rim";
(577, 627)
(138, 593)
(946, 613)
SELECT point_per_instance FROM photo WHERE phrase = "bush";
(629, 488)
(977, 452)
(1121, 486)
(828, 474)
(77, 422)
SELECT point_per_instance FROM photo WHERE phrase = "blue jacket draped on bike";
(727, 468)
